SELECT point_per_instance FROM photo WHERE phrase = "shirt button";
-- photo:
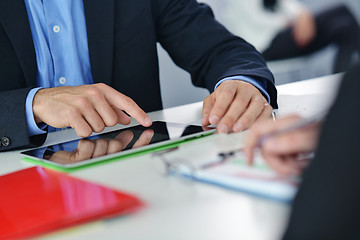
(5, 141)
(56, 28)
(62, 80)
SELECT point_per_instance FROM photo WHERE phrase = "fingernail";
(214, 119)
(238, 127)
(148, 121)
(223, 128)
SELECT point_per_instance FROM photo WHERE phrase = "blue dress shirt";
(59, 34)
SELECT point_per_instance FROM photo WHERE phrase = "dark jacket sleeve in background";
(203, 47)
(327, 205)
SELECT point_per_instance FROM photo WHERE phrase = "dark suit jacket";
(327, 205)
(122, 37)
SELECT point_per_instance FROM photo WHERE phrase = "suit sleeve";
(13, 126)
(203, 47)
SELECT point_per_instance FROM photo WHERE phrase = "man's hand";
(282, 152)
(87, 108)
(234, 105)
(304, 29)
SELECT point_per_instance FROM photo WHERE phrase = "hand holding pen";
(284, 142)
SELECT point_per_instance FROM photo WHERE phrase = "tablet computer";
(123, 142)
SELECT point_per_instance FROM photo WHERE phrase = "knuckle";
(206, 100)
(82, 102)
(240, 101)
(259, 98)
(227, 91)
(128, 101)
(73, 113)
(100, 85)
(228, 84)
(93, 92)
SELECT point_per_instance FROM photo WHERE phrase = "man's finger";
(207, 106)
(266, 114)
(224, 98)
(93, 119)
(104, 109)
(122, 117)
(257, 130)
(125, 103)
(254, 109)
(81, 126)
(236, 109)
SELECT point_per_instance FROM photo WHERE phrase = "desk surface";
(179, 209)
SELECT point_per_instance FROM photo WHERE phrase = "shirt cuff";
(260, 84)
(33, 128)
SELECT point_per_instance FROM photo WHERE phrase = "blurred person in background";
(283, 29)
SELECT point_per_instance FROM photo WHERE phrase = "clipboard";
(230, 170)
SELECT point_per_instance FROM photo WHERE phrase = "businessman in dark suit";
(81, 64)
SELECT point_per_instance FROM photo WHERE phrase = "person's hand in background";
(304, 29)
(235, 105)
(283, 152)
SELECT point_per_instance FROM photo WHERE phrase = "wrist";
(36, 107)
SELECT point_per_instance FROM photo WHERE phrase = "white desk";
(179, 209)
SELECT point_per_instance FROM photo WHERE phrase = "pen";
(302, 123)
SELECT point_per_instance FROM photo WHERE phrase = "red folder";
(38, 200)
